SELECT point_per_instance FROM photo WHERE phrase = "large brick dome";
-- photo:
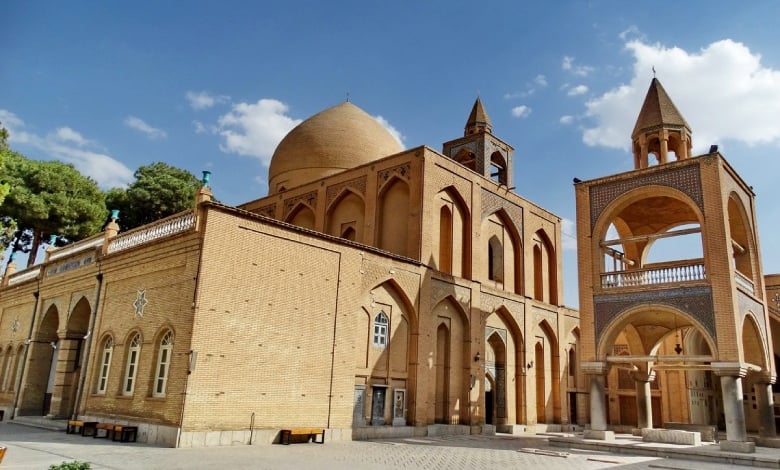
(331, 141)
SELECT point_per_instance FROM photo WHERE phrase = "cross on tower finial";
(653, 71)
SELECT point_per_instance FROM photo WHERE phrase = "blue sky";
(112, 86)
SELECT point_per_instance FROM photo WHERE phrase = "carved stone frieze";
(404, 171)
(440, 290)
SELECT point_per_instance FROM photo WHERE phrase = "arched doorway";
(38, 387)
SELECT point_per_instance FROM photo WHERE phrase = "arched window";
(133, 351)
(381, 327)
(105, 365)
(7, 367)
(445, 239)
(163, 363)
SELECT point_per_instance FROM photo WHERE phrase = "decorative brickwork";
(404, 171)
(357, 184)
(268, 211)
(491, 203)
(491, 303)
(309, 198)
(685, 179)
(544, 314)
(441, 289)
(695, 301)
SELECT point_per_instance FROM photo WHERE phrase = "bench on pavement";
(117, 432)
(124, 433)
(85, 428)
(310, 433)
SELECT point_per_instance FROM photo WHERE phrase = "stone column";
(664, 153)
(644, 406)
(598, 400)
(731, 374)
(766, 405)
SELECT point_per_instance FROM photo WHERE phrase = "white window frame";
(105, 365)
(163, 365)
(381, 330)
(131, 371)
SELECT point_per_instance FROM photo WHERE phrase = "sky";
(111, 86)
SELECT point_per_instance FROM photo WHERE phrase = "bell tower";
(479, 150)
(672, 296)
(660, 129)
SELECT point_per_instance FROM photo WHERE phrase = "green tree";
(3, 151)
(159, 190)
(49, 198)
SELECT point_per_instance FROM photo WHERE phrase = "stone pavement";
(34, 448)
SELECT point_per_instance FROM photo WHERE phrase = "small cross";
(15, 326)
(776, 298)
(140, 303)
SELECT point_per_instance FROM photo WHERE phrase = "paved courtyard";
(33, 448)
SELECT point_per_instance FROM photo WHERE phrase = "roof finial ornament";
(347, 97)
(653, 73)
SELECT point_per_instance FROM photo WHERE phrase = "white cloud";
(521, 111)
(540, 80)
(255, 129)
(203, 100)
(392, 130)
(67, 134)
(567, 63)
(59, 145)
(631, 32)
(568, 234)
(577, 90)
(10, 120)
(140, 125)
(566, 119)
(722, 90)
(200, 128)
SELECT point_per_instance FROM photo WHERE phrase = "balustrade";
(172, 225)
(656, 275)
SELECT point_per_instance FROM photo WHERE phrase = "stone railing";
(744, 282)
(25, 275)
(692, 270)
(93, 243)
(172, 225)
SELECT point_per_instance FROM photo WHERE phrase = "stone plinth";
(672, 436)
(600, 435)
(738, 446)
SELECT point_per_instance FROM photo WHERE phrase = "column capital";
(594, 367)
(730, 369)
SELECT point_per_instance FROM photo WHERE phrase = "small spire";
(658, 110)
(478, 121)
(653, 71)
(347, 97)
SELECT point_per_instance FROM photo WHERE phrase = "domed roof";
(331, 141)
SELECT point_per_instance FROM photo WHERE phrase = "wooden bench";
(108, 427)
(117, 432)
(310, 433)
(125, 433)
(85, 428)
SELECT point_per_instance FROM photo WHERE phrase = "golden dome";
(329, 142)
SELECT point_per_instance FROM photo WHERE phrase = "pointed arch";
(753, 348)
(347, 211)
(743, 248)
(452, 352)
(302, 215)
(498, 168)
(392, 217)
(509, 391)
(547, 365)
(545, 263)
(454, 228)
(106, 353)
(500, 225)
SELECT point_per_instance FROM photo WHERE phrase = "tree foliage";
(159, 190)
(49, 198)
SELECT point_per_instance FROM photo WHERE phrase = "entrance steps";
(41, 422)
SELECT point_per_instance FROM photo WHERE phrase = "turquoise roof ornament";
(206, 178)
